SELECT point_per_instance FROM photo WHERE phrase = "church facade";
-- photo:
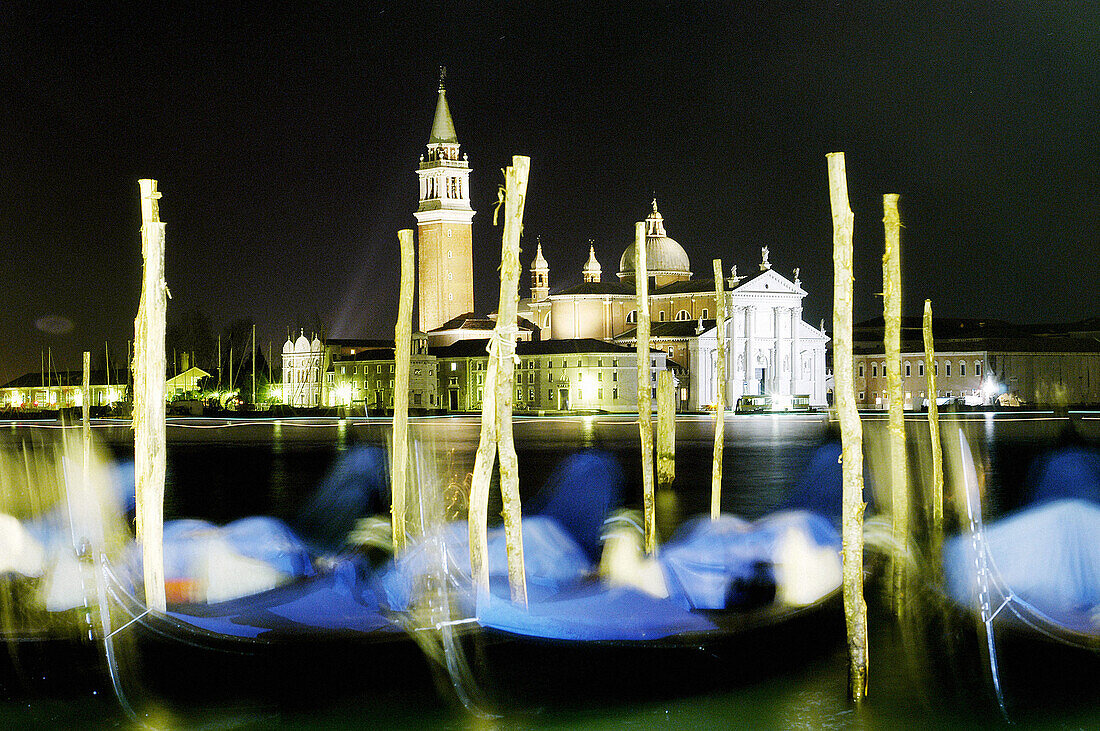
(770, 350)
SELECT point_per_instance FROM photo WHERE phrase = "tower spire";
(445, 267)
(540, 274)
(591, 271)
(443, 127)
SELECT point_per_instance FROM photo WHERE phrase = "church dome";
(301, 345)
(663, 254)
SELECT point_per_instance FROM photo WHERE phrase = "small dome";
(288, 346)
(315, 346)
(663, 254)
(301, 345)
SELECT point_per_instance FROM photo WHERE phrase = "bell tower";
(443, 221)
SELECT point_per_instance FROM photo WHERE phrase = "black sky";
(285, 144)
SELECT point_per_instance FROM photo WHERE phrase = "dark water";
(221, 470)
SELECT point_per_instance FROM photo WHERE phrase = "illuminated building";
(303, 363)
(983, 362)
(769, 349)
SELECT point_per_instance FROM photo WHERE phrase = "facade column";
(776, 358)
(750, 364)
(796, 364)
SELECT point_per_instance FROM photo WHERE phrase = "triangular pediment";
(769, 282)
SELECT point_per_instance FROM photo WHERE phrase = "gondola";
(1029, 582)
(732, 600)
(255, 613)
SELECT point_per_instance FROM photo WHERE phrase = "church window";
(683, 315)
(962, 367)
(614, 375)
(874, 370)
(391, 367)
(578, 364)
(704, 313)
(599, 394)
(614, 394)
(599, 376)
(632, 316)
(861, 370)
(661, 316)
(908, 370)
(977, 368)
(546, 322)
(920, 369)
(935, 368)
(861, 395)
(948, 371)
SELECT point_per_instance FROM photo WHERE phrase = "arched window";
(683, 315)
(632, 316)
(977, 368)
(874, 370)
(962, 367)
(907, 369)
(546, 322)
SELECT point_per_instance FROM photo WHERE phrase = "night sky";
(285, 145)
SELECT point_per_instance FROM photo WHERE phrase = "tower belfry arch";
(444, 220)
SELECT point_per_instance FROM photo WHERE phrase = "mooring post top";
(150, 212)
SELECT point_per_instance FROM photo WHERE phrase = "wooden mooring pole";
(149, 404)
(645, 407)
(402, 348)
(666, 430)
(899, 473)
(719, 393)
(496, 410)
(933, 424)
(851, 431)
